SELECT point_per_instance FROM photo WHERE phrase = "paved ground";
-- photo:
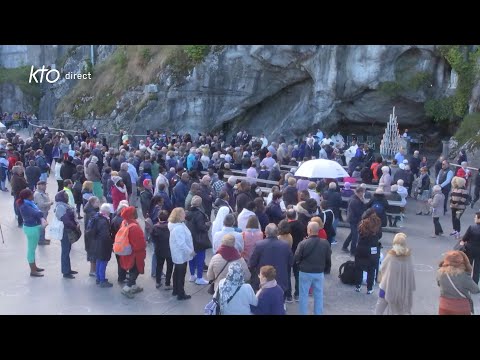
(52, 294)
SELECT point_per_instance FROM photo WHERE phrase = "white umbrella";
(321, 168)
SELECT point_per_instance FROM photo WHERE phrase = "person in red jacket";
(118, 191)
(135, 262)
(464, 172)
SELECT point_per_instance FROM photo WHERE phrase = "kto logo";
(51, 75)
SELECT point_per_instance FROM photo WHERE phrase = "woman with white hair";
(397, 282)
(436, 204)
(402, 191)
(98, 229)
(386, 180)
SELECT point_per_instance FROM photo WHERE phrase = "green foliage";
(196, 53)
(19, 76)
(469, 132)
(420, 80)
(440, 109)
(179, 62)
(145, 57)
(464, 62)
(121, 58)
(88, 67)
(391, 88)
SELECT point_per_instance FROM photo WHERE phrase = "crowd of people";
(22, 118)
(184, 188)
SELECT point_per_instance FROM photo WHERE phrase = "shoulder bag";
(472, 310)
(211, 288)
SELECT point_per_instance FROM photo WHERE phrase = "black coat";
(472, 241)
(290, 195)
(127, 180)
(196, 223)
(275, 213)
(67, 170)
(161, 240)
(356, 207)
(78, 180)
(102, 238)
(243, 198)
(334, 200)
(363, 255)
(382, 200)
(90, 213)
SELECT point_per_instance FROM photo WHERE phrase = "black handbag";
(74, 235)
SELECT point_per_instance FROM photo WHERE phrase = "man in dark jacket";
(42, 164)
(161, 240)
(290, 193)
(272, 251)
(274, 211)
(380, 204)
(298, 232)
(167, 203)
(180, 191)
(126, 178)
(68, 169)
(334, 203)
(356, 207)
(313, 257)
(229, 188)
(103, 244)
(32, 173)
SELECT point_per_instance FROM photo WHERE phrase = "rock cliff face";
(291, 89)
(277, 90)
(13, 99)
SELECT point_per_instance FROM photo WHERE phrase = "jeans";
(197, 263)
(308, 280)
(456, 215)
(437, 226)
(160, 261)
(32, 233)
(100, 271)
(66, 247)
(179, 272)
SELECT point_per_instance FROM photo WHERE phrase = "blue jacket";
(31, 217)
(270, 302)
(277, 253)
(180, 192)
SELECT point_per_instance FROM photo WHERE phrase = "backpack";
(346, 272)
(121, 245)
(378, 207)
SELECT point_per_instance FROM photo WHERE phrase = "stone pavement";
(52, 294)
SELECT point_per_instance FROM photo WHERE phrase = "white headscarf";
(218, 222)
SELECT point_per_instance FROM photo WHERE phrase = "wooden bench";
(354, 186)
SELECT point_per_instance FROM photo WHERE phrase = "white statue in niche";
(453, 80)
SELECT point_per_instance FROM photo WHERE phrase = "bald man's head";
(313, 229)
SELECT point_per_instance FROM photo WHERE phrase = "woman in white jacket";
(181, 248)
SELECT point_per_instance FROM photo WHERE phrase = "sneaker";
(106, 284)
(334, 242)
(127, 291)
(433, 236)
(192, 278)
(92, 274)
(201, 281)
(289, 299)
(357, 288)
(369, 292)
(136, 289)
(453, 233)
(295, 297)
